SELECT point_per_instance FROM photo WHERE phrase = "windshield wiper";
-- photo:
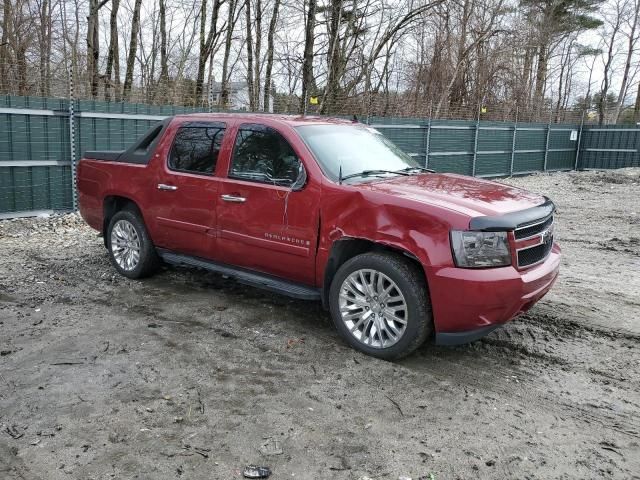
(422, 169)
(369, 173)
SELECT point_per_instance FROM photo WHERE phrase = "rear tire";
(130, 247)
(380, 305)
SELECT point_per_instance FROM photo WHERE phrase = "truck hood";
(471, 196)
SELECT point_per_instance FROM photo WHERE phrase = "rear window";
(196, 149)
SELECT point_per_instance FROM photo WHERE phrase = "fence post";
(72, 141)
(513, 143)
(426, 146)
(546, 143)
(210, 94)
(575, 166)
(475, 145)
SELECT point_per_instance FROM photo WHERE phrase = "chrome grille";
(533, 255)
(530, 229)
(539, 251)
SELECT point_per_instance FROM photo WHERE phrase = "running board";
(244, 276)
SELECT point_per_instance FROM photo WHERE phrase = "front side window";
(195, 149)
(262, 155)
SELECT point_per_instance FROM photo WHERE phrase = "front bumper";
(467, 304)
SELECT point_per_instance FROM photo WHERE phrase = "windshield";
(355, 148)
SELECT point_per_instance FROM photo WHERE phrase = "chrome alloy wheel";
(373, 308)
(125, 245)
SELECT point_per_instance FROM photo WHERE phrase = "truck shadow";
(502, 352)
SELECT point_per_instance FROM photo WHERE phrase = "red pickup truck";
(327, 210)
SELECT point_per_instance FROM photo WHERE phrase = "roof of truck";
(293, 120)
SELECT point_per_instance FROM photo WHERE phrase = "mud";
(190, 375)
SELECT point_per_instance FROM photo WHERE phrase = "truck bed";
(139, 153)
(108, 155)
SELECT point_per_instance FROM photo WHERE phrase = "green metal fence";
(39, 145)
(40, 140)
(612, 146)
(486, 149)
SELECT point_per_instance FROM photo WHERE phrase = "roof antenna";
(340, 175)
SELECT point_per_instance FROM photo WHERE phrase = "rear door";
(186, 189)
(263, 223)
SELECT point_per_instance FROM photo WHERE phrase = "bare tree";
(249, 44)
(133, 48)
(164, 62)
(631, 10)
(231, 22)
(44, 41)
(257, 55)
(112, 73)
(5, 54)
(636, 107)
(369, 57)
(93, 44)
(269, 61)
(307, 65)
(207, 42)
(609, 37)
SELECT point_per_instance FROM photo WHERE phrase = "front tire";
(130, 248)
(380, 305)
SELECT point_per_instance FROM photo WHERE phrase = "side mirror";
(301, 180)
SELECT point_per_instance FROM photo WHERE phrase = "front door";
(264, 224)
(187, 189)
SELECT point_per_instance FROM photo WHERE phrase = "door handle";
(171, 188)
(233, 198)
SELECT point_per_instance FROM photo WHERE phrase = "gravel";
(190, 375)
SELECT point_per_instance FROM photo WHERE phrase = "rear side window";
(262, 155)
(195, 149)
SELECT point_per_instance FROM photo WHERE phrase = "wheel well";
(345, 249)
(112, 205)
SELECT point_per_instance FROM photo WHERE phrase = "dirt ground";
(189, 375)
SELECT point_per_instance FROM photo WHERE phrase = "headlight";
(480, 249)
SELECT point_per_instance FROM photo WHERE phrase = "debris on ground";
(271, 447)
(292, 342)
(12, 430)
(253, 471)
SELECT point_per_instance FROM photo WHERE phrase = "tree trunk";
(541, 74)
(457, 93)
(564, 61)
(307, 65)
(334, 68)
(76, 42)
(93, 46)
(524, 93)
(113, 60)
(133, 48)
(164, 66)
(257, 54)
(627, 65)
(224, 82)
(202, 57)
(4, 46)
(270, 37)
(636, 108)
(45, 41)
(206, 44)
(247, 11)
(607, 75)
(21, 60)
